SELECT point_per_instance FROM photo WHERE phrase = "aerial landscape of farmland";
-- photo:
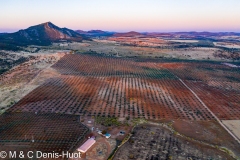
(126, 91)
(135, 92)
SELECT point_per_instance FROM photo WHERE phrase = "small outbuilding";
(107, 135)
(122, 132)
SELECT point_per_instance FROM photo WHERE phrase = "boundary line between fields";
(205, 106)
(219, 121)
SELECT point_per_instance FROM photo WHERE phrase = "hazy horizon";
(16, 30)
(124, 16)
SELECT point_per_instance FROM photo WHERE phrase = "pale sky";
(123, 15)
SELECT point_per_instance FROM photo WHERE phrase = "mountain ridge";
(128, 34)
(42, 34)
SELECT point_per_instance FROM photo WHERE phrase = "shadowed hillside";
(42, 34)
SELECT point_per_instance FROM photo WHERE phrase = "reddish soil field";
(213, 74)
(217, 85)
(97, 66)
(121, 97)
(123, 87)
(113, 87)
(224, 104)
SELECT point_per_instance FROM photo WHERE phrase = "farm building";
(86, 145)
(107, 135)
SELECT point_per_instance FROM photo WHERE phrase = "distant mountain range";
(176, 34)
(47, 33)
(128, 34)
(3, 33)
(95, 33)
(42, 34)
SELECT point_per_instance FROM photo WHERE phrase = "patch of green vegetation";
(7, 64)
(236, 63)
(107, 121)
(8, 46)
(169, 60)
(12, 102)
(231, 78)
(204, 43)
(137, 121)
(200, 43)
(3, 70)
(1, 112)
(158, 73)
(192, 78)
(208, 68)
(90, 52)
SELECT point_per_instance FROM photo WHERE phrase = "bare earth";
(234, 126)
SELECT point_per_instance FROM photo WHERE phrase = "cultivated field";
(217, 85)
(93, 85)
(40, 132)
(113, 87)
